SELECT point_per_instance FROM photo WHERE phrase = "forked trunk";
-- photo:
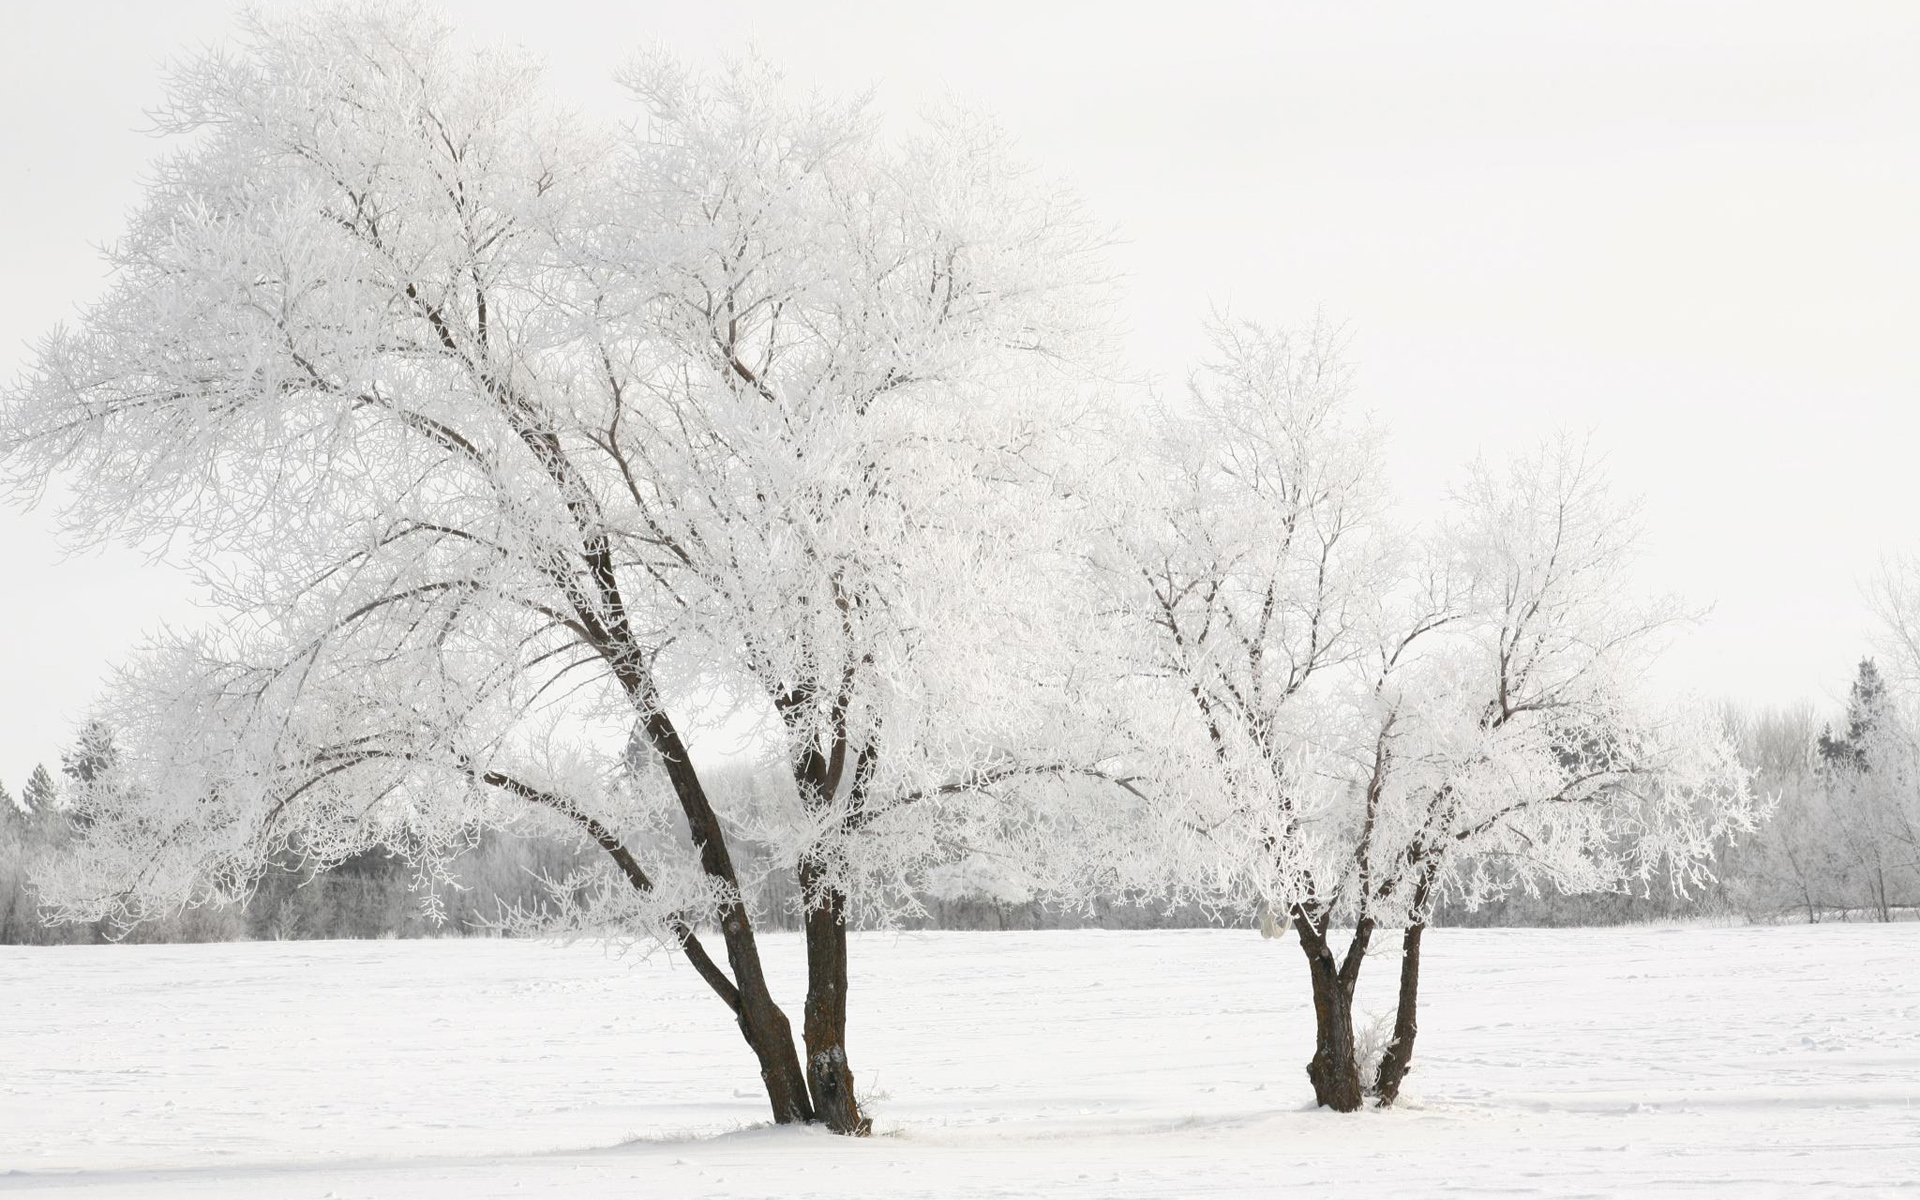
(1398, 1059)
(605, 623)
(766, 1027)
(1334, 1069)
(829, 1074)
(762, 1023)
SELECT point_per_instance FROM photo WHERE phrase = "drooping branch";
(630, 867)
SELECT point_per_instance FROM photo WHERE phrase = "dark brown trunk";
(604, 623)
(829, 1074)
(1398, 1059)
(769, 1033)
(746, 994)
(762, 1022)
(1334, 1069)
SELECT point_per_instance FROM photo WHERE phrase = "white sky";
(1691, 229)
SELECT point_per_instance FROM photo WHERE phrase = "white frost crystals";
(1347, 721)
(498, 435)
(497, 432)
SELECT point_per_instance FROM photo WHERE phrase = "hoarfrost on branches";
(1346, 721)
(499, 436)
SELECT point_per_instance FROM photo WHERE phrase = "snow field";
(1625, 1062)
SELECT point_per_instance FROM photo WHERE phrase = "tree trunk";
(1398, 1059)
(746, 994)
(1334, 1069)
(762, 1023)
(829, 1074)
(766, 1028)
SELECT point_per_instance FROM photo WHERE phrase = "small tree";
(524, 434)
(1361, 723)
(1504, 745)
(1244, 569)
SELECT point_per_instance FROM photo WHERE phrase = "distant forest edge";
(1839, 844)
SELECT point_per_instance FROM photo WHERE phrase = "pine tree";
(92, 756)
(41, 795)
(1866, 776)
(1866, 713)
(92, 759)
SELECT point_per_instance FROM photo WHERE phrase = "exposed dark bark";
(599, 617)
(746, 995)
(1334, 1069)
(829, 1074)
(602, 617)
(770, 1035)
(762, 1022)
(1398, 1059)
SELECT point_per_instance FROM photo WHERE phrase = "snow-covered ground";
(1700, 1061)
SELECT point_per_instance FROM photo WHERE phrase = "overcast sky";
(1690, 229)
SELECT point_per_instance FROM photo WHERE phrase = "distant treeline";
(1842, 844)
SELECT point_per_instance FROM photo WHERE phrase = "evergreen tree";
(1868, 777)
(92, 756)
(91, 760)
(1867, 709)
(41, 795)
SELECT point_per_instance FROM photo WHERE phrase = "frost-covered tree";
(507, 440)
(1793, 864)
(1869, 713)
(1239, 565)
(15, 905)
(1247, 568)
(1503, 741)
(1870, 780)
(1895, 597)
(1362, 722)
(1840, 840)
